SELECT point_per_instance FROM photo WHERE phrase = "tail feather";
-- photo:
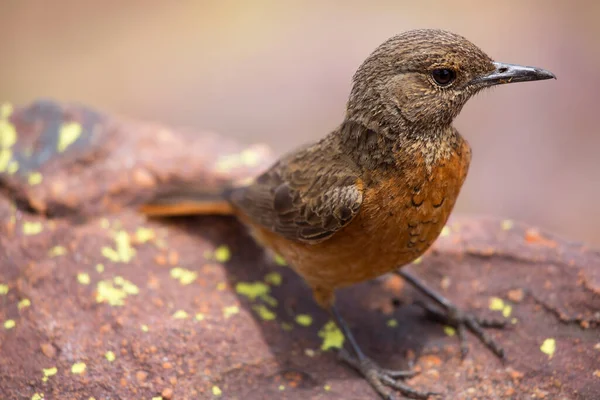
(187, 201)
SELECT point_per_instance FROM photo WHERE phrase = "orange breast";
(401, 216)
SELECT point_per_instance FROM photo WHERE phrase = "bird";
(373, 194)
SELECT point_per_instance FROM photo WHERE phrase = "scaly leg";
(456, 318)
(378, 377)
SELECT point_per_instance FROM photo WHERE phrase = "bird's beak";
(511, 73)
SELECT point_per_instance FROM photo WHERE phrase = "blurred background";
(279, 72)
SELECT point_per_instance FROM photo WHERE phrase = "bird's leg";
(378, 377)
(456, 318)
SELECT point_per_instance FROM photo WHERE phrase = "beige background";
(279, 71)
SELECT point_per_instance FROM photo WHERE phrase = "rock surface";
(97, 301)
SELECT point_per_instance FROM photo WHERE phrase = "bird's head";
(423, 78)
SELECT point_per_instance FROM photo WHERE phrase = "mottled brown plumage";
(375, 193)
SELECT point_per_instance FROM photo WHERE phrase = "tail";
(208, 190)
(189, 201)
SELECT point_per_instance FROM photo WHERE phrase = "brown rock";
(242, 356)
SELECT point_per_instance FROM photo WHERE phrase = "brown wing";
(306, 196)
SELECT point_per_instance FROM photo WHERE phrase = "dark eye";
(443, 76)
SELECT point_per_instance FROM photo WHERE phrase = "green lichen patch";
(34, 178)
(32, 228)
(304, 319)
(222, 254)
(78, 368)
(332, 336)
(264, 313)
(115, 291)
(184, 276)
(252, 290)
(68, 134)
(273, 278)
(122, 252)
(180, 314)
(57, 251)
(230, 311)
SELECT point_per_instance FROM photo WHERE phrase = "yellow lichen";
(445, 231)
(216, 391)
(99, 268)
(24, 303)
(5, 158)
(57, 251)
(252, 290)
(281, 388)
(222, 254)
(110, 356)
(9, 324)
(327, 388)
(144, 328)
(143, 235)
(264, 312)
(110, 253)
(83, 278)
(548, 347)
(8, 134)
(6, 110)
(115, 294)
(78, 368)
(127, 286)
(123, 252)
(34, 178)
(273, 278)
(32, 228)
(37, 396)
(270, 300)
(184, 276)
(507, 225)
(3, 289)
(12, 167)
(124, 249)
(496, 304)
(279, 260)
(180, 314)
(68, 134)
(332, 336)
(230, 310)
(418, 260)
(199, 317)
(450, 331)
(48, 372)
(392, 323)
(304, 319)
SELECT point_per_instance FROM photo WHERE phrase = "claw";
(457, 319)
(379, 377)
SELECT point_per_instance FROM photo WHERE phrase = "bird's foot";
(462, 322)
(457, 319)
(379, 377)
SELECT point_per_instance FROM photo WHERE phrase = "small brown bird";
(375, 193)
